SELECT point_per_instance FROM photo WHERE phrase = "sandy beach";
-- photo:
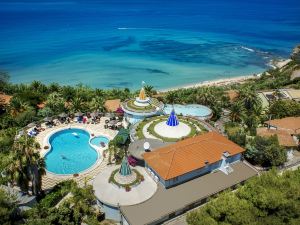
(228, 81)
(218, 82)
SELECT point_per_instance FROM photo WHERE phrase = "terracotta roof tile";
(284, 137)
(232, 94)
(5, 98)
(112, 105)
(289, 124)
(190, 154)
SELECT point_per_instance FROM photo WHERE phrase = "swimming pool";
(70, 152)
(200, 111)
(97, 140)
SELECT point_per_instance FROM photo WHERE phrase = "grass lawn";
(192, 123)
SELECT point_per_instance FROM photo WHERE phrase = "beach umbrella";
(78, 114)
(33, 124)
(119, 110)
(48, 119)
(94, 114)
(63, 115)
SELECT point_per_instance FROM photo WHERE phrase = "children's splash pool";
(97, 141)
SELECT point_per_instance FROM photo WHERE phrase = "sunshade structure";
(63, 115)
(79, 114)
(125, 168)
(48, 119)
(32, 124)
(124, 134)
(120, 111)
(94, 114)
(172, 120)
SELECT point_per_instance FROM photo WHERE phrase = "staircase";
(156, 103)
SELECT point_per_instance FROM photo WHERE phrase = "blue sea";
(166, 43)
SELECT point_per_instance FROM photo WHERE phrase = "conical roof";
(125, 168)
(172, 120)
(142, 95)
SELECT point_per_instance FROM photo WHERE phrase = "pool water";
(189, 110)
(97, 140)
(70, 152)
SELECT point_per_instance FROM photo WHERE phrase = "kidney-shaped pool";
(70, 152)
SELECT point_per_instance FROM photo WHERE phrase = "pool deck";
(112, 195)
(50, 179)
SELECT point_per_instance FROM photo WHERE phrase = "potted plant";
(127, 188)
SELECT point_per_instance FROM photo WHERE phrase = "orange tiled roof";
(112, 105)
(190, 154)
(232, 94)
(41, 105)
(5, 98)
(290, 124)
(284, 137)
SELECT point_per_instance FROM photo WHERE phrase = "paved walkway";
(111, 194)
(164, 130)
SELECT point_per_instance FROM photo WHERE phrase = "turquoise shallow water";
(70, 152)
(189, 110)
(97, 140)
(108, 44)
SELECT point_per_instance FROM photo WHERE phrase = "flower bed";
(127, 187)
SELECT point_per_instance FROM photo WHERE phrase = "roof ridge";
(171, 162)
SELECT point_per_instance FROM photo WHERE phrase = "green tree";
(96, 104)
(270, 198)
(284, 108)
(55, 102)
(17, 106)
(265, 151)
(237, 112)
(149, 90)
(26, 166)
(7, 208)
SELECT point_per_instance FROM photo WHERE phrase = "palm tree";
(77, 104)
(206, 96)
(38, 86)
(26, 165)
(55, 102)
(96, 104)
(149, 90)
(250, 98)
(54, 87)
(17, 106)
(171, 97)
(237, 111)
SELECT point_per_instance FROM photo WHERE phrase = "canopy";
(78, 114)
(63, 115)
(48, 119)
(124, 134)
(32, 124)
(94, 114)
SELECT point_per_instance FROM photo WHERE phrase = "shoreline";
(217, 82)
(228, 81)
